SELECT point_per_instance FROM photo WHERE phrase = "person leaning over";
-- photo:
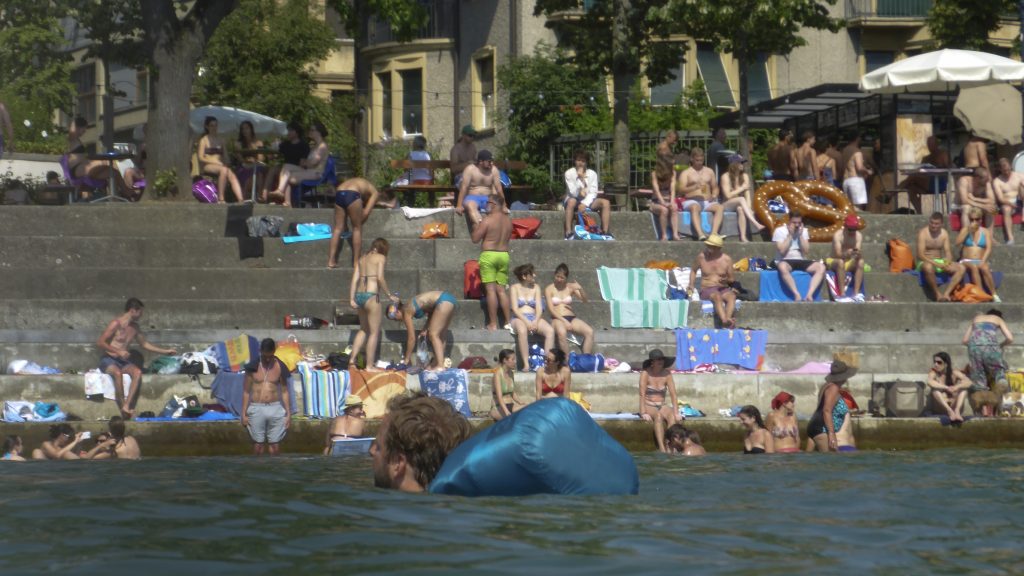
(581, 189)
(413, 440)
(114, 342)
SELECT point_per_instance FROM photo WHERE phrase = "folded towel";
(97, 383)
(632, 283)
(649, 313)
(323, 391)
(411, 213)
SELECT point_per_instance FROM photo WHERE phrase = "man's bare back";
(976, 154)
(779, 159)
(361, 185)
(807, 162)
(495, 231)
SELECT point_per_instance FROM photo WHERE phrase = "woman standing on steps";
(364, 296)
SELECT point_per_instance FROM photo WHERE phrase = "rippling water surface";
(938, 511)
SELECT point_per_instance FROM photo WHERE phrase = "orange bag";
(970, 294)
(525, 228)
(901, 257)
(662, 264)
(434, 230)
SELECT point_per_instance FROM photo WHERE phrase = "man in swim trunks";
(935, 256)
(1007, 187)
(266, 405)
(581, 194)
(716, 278)
(413, 440)
(463, 153)
(976, 191)
(854, 174)
(699, 190)
(114, 342)
(479, 181)
(782, 157)
(494, 234)
(846, 257)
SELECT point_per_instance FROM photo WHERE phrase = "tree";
(625, 39)
(747, 28)
(966, 24)
(35, 72)
(114, 28)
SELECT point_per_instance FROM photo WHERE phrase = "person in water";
(348, 424)
(757, 440)
(781, 422)
(117, 444)
(681, 440)
(12, 449)
(658, 394)
(61, 445)
(413, 440)
(832, 410)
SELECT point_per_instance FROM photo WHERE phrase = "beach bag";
(589, 222)
(264, 226)
(165, 365)
(472, 286)
(505, 180)
(289, 353)
(525, 228)
(661, 264)
(205, 191)
(583, 234)
(434, 230)
(586, 362)
(901, 257)
(970, 294)
(196, 363)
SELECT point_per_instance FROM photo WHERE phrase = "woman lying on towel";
(438, 307)
(568, 327)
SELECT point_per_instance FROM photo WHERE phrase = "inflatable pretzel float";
(822, 220)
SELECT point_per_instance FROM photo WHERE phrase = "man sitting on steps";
(935, 256)
(479, 181)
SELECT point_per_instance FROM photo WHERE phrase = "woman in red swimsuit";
(555, 379)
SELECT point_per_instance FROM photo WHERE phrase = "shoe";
(572, 337)
(997, 299)
(1008, 243)
(510, 329)
(844, 300)
(609, 235)
(570, 236)
(859, 298)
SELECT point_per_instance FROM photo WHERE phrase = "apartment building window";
(412, 102)
(712, 72)
(483, 90)
(668, 93)
(758, 87)
(385, 104)
(85, 89)
(875, 59)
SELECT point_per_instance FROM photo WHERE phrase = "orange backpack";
(901, 257)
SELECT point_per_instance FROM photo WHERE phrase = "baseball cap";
(469, 130)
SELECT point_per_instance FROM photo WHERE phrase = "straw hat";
(715, 241)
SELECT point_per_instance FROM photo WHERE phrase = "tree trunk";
(175, 46)
(622, 86)
(108, 110)
(743, 59)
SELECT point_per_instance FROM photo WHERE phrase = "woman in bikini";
(757, 440)
(975, 241)
(210, 153)
(79, 165)
(438, 307)
(781, 423)
(310, 168)
(734, 186)
(364, 296)
(525, 298)
(658, 395)
(348, 424)
(503, 391)
(555, 379)
(247, 140)
(568, 327)
(12, 449)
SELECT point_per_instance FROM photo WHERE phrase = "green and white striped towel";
(649, 313)
(632, 283)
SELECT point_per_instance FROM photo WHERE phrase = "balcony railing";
(440, 23)
(888, 8)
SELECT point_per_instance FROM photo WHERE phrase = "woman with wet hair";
(757, 440)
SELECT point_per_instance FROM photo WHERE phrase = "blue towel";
(744, 348)
(208, 416)
(227, 389)
(943, 278)
(773, 291)
(452, 385)
(323, 391)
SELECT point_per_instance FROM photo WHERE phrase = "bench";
(449, 191)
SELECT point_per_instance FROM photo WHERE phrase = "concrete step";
(252, 313)
(607, 393)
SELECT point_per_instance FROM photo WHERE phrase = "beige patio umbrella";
(992, 112)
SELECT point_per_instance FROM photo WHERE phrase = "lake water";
(936, 511)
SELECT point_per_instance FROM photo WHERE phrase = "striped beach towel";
(323, 391)
(649, 313)
(632, 283)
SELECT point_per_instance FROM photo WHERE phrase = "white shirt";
(575, 186)
(794, 253)
(420, 173)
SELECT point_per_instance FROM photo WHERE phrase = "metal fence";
(888, 8)
(642, 152)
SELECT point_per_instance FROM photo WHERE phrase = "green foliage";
(165, 183)
(966, 24)
(114, 28)
(691, 111)
(405, 17)
(35, 74)
(380, 172)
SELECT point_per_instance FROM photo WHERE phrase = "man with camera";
(846, 257)
(792, 243)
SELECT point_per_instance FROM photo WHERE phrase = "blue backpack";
(586, 362)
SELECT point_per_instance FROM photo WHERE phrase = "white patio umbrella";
(941, 71)
(228, 120)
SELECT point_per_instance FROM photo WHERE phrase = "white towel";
(411, 213)
(97, 382)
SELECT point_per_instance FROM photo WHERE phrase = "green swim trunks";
(494, 267)
(938, 269)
